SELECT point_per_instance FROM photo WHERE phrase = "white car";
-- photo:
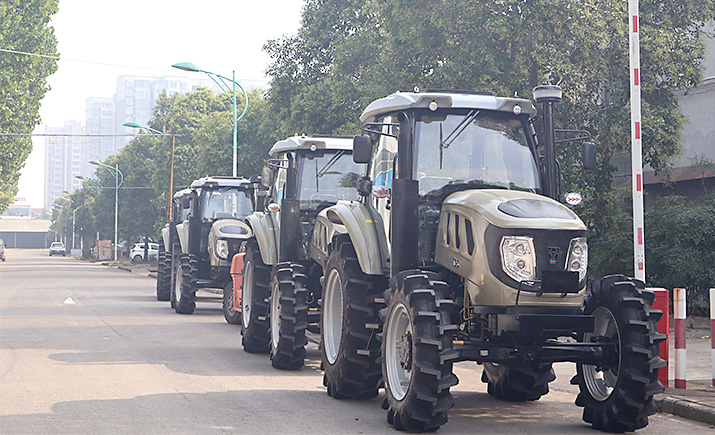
(137, 252)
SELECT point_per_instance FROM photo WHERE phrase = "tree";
(23, 82)
(347, 53)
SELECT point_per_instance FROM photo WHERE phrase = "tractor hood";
(515, 209)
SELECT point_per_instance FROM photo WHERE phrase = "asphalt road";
(87, 349)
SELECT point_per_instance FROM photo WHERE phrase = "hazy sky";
(99, 41)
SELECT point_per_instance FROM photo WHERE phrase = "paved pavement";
(697, 402)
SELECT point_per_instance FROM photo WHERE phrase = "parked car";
(137, 252)
(2, 250)
(57, 248)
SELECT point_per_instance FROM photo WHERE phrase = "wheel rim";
(398, 351)
(275, 313)
(333, 316)
(247, 294)
(177, 286)
(600, 382)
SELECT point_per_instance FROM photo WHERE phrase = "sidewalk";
(697, 402)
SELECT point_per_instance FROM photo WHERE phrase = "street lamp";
(223, 83)
(117, 175)
(154, 132)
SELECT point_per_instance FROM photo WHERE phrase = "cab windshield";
(475, 149)
(225, 202)
(326, 177)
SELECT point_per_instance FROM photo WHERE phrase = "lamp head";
(186, 66)
(94, 162)
(133, 124)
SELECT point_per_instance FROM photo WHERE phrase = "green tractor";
(460, 210)
(205, 231)
(280, 288)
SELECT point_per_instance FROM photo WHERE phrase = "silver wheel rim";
(275, 313)
(599, 382)
(333, 316)
(177, 286)
(398, 351)
(247, 294)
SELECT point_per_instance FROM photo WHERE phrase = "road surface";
(87, 349)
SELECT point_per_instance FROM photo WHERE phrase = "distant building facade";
(63, 159)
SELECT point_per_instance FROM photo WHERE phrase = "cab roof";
(219, 182)
(445, 99)
(306, 142)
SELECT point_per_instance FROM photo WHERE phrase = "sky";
(98, 41)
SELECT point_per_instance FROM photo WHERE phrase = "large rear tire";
(349, 325)
(185, 284)
(163, 277)
(254, 301)
(288, 316)
(417, 351)
(617, 396)
(518, 384)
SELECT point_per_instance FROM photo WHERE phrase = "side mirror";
(362, 148)
(268, 175)
(162, 211)
(186, 202)
(588, 155)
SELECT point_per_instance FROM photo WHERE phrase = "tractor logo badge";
(455, 263)
(553, 254)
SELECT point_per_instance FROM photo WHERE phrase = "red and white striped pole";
(636, 144)
(712, 330)
(679, 311)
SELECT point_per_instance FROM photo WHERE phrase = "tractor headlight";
(577, 259)
(222, 249)
(517, 257)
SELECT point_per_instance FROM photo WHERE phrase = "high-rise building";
(63, 159)
(69, 151)
(99, 128)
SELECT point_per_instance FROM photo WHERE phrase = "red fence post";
(662, 303)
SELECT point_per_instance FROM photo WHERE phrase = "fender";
(165, 238)
(182, 230)
(367, 234)
(237, 276)
(265, 229)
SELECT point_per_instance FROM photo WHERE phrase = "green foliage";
(680, 247)
(23, 27)
(203, 146)
(349, 52)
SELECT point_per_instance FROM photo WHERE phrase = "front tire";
(254, 301)
(417, 351)
(288, 316)
(617, 396)
(163, 277)
(232, 316)
(349, 322)
(185, 284)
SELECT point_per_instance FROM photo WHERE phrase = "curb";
(687, 409)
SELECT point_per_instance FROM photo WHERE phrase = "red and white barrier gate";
(662, 303)
(679, 311)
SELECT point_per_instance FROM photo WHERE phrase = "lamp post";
(134, 124)
(223, 83)
(117, 175)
